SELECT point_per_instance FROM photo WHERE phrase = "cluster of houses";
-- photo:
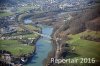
(8, 29)
(14, 37)
(11, 37)
(7, 24)
(76, 4)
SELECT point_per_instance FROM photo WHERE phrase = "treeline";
(80, 20)
(94, 24)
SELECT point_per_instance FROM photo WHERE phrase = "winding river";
(43, 46)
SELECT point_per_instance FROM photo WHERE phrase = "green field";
(31, 36)
(19, 10)
(31, 27)
(84, 48)
(16, 47)
(5, 14)
(25, 8)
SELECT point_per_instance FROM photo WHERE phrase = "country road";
(58, 50)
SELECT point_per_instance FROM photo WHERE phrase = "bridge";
(42, 35)
(30, 30)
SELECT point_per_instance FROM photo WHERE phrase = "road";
(57, 44)
(58, 50)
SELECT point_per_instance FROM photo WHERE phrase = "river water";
(43, 47)
(27, 21)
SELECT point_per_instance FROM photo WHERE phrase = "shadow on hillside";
(69, 55)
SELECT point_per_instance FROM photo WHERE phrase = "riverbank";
(15, 56)
(43, 47)
(52, 52)
(21, 45)
(47, 61)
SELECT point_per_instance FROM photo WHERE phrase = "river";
(43, 47)
(27, 21)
